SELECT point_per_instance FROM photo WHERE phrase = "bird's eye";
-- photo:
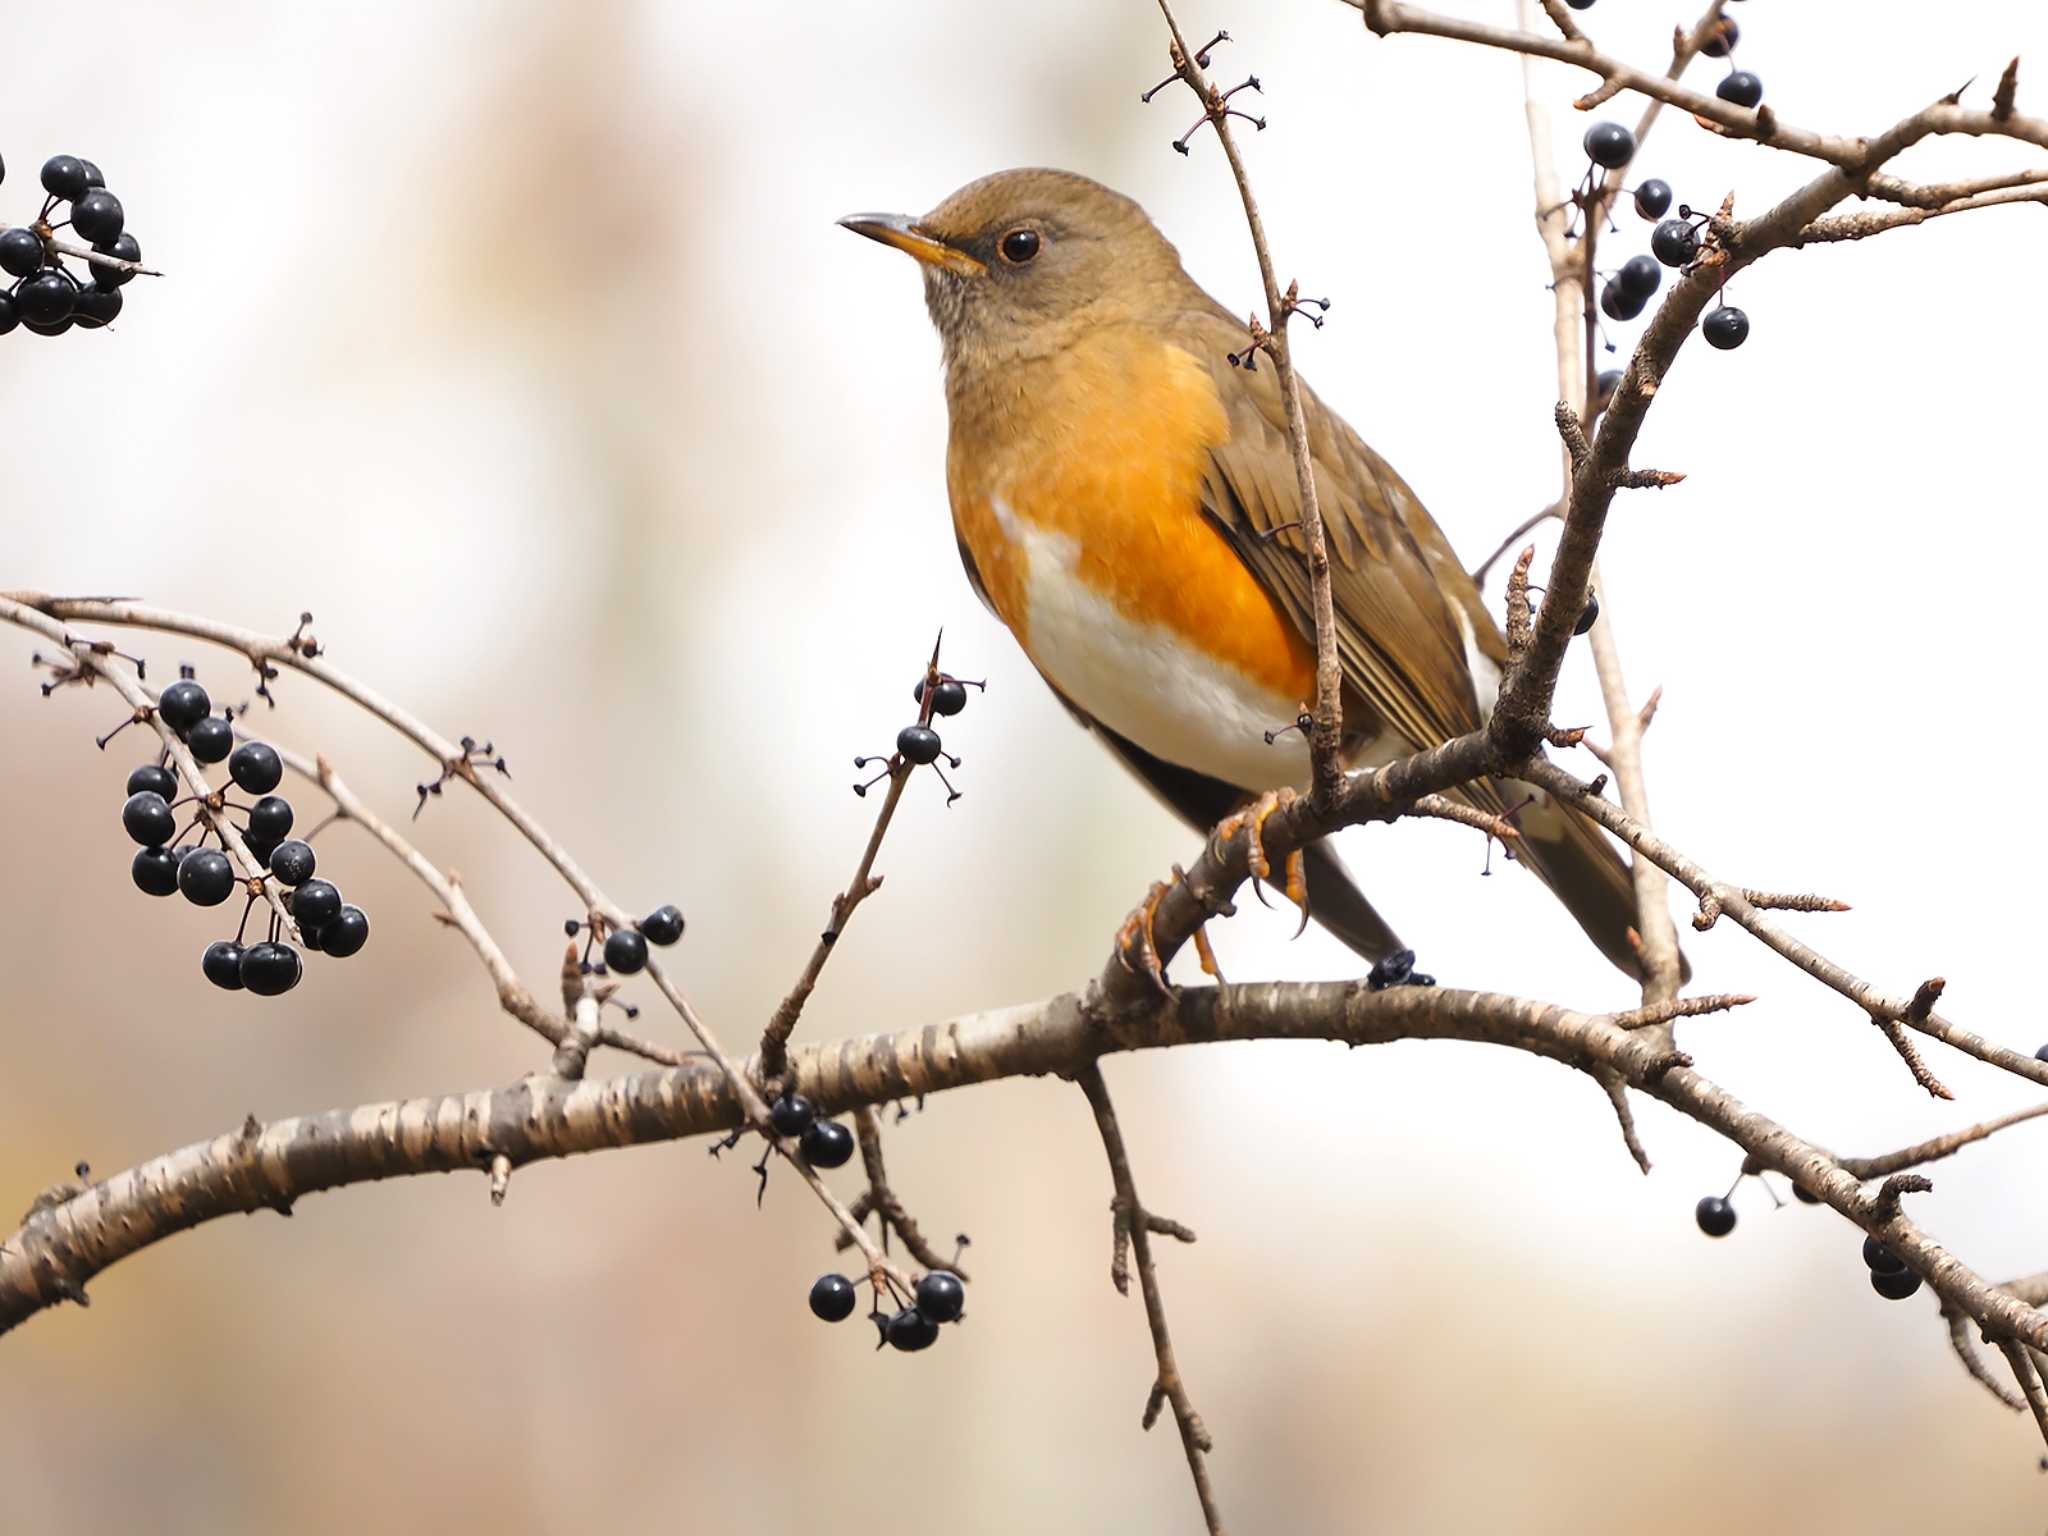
(1019, 246)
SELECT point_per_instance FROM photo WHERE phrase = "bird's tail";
(1583, 869)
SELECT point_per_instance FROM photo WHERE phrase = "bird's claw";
(1134, 938)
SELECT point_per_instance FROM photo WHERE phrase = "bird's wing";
(1397, 588)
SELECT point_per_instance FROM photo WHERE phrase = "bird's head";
(1019, 263)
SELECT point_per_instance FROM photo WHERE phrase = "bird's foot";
(1136, 950)
(1252, 822)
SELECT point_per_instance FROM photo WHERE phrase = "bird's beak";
(902, 232)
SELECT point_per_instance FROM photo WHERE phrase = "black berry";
(940, 1296)
(10, 313)
(269, 818)
(792, 1114)
(918, 743)
(49, 327)
(1742, 88)
(1580, 5)
(315, 904)
(271, 969)
(1639, 277)
(1725, 328)
(1880, 1260)
(1800, 1193)
(664, 925)
(1723, 38)
(2041, 1054)
(1674, 243)
(64, 176)
(292, 862)
(1589, 616)
(346, 934)
(1617, 303)
(148, 819)
(155, 871)
(1391, 970)
(206, 877)
(183, 704)
(1604, 388)
(21, 253)
(910, 1330)
(256, 767)
(827, 1144)
(97, 216)
(123, 245)
(1653, 198)
(211, 739)
(832, 1298)
(625, 951)
(155, 778)
(222, 964)
(1715, 1216)
(48, 298)
(93, 178)
(1896, 1286)
(97, 304)
(1609, 145)
(949, 698)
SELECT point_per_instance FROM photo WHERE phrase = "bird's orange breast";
(1097, 455)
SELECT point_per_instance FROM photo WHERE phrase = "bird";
(1125, 501)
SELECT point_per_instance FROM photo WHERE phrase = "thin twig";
(1132, 1224)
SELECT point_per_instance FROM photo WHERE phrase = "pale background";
(517, 342)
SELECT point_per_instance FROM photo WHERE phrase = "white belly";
(1146, 684)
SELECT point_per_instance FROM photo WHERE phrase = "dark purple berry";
(97, 305)
(222, 964)
(292, 862)
(792, 1114)
(123, 245)
(910, 1330)
(1616, 303)
(1896, 1285)
(625, 951)
(918, 743)
(1721, 38)
(1609, 145)
(93, 178)
(1653, 199)
(256, 766)
(1880, 1260)
(1715, 1216)
(664, 925)
(155, 778)
(270, 819)
(155, 871)
(64, 176)
(1639, 277)
(827, 1144)
(949, 698)
(346, 934)
(1604, 388)
(315, 904)
(48, 298)
(1725, 327)
(832, 1298)
(1742, 88)
(1674, 242)
(210, 739)
(183, 704)
(271, 969)
(10, 313)
(940, 1296)
(21, 252)
(1800, 1193)
(148, 818)
(206, 877)
(97, 216)
(1589, 616)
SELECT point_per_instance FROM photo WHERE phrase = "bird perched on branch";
(1126, 502)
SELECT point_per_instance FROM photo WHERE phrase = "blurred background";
(517, 342)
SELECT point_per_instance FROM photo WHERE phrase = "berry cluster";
(918, 745)
(47, 297)
(205, 876)
(1674, 242)
(824, 1143)
(625, 949)
(940, 1298)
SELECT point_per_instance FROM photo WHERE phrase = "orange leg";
(1252, 821)
(1135, 939)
